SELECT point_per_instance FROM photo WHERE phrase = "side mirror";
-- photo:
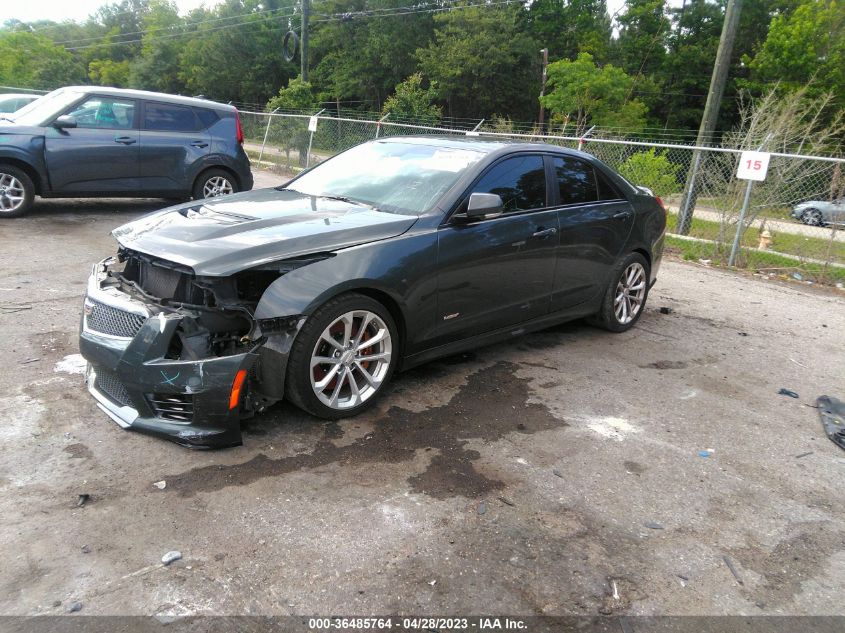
(484, 204)
(64, 122)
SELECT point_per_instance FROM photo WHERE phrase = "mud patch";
(486, 408)
(78, 451)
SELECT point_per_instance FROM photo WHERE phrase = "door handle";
(124, 140)
(623, 215)
(199, 144)
(543, 233)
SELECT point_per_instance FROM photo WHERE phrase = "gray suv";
(87, 141)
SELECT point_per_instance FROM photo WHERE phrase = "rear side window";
(167, 117)
(607, 190)
(576, 181)
(520, 181)
(207, 117)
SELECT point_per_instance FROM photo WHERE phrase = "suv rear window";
(169, 118)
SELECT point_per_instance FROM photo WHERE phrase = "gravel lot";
(555, 474)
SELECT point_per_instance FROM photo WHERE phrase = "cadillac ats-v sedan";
(388, 255)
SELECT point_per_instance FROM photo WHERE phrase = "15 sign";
(753, 166)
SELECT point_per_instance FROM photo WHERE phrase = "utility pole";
(303, 41)
(545, 53)
(711, 111)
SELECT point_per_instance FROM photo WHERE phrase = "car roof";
(145, 94)
(486, 145)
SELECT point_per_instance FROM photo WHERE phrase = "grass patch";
(754, 260)
(789, 243)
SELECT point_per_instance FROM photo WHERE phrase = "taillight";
(239, 130)
(237, 386)
(660, 202)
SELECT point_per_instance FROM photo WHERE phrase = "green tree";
(482, 62)
(581, 94)
(808, 44)
(569, 27)
(643, 31)
(157, 67)
(411, 101)
(30, 60)
(293, 133)
(107, 72)
(653, 170)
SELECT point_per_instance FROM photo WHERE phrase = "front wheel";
(343, 357)
(624, 300)
(213, 183)
(16, 191)
(812, 217)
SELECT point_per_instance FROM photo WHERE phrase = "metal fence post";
(266, 132)
(378, 125)
(310, 141)
(740, 222)
(688, 203)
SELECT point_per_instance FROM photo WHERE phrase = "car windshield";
(44, 109)
(403, 178)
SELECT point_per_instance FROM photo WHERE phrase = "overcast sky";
(79, 10)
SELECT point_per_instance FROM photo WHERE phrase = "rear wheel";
(343, 357)
(214, 182)
(16, 191)
(813, 217)
(624, 300)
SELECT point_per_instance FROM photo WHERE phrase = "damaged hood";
(223, 236)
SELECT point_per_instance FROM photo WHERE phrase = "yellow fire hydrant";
(765, 240)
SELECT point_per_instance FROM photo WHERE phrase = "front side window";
(520, 182)
(167, 117)
(104, 112)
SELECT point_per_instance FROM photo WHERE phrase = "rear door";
(100, 155)
(498, 272)
(173, 138)
(595, 222)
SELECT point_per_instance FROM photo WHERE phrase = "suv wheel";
(342, 358)
(213, 183)
(813, 217)
(624, 301)
(16, 191)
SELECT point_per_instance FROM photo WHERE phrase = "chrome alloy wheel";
(630, 293)
(351, 360)
(217, 186)
(12, 195)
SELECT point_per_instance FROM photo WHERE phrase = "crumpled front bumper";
(139, 388)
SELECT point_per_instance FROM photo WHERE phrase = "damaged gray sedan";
(388, 255)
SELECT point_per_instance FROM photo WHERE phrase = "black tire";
(206, 180)
(812, 217)
(298, 383)
(10, 174)
(606, 317)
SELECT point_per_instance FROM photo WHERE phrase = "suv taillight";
(239, 130)
(660, 202)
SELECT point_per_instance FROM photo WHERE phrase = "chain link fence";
(793, 225)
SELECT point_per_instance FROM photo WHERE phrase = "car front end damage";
(180, 356)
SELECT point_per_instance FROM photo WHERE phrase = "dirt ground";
(560, 473)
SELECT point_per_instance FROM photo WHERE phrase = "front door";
(498, 272)
(98, 156)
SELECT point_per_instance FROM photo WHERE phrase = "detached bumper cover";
(139, 388)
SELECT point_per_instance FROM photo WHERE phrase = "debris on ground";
(705, 453)
(85, 549)
(432, 583)
(557, 473)
(730, 565)
(743, 333)
(804, 455)
(161, 485)
(482, 508)
(787, 392)
(654, 526)
(832, 413)
(74, 606)
(171, 556)
(83, 499)
(28, 361)
(506, 501)
(666, 310)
